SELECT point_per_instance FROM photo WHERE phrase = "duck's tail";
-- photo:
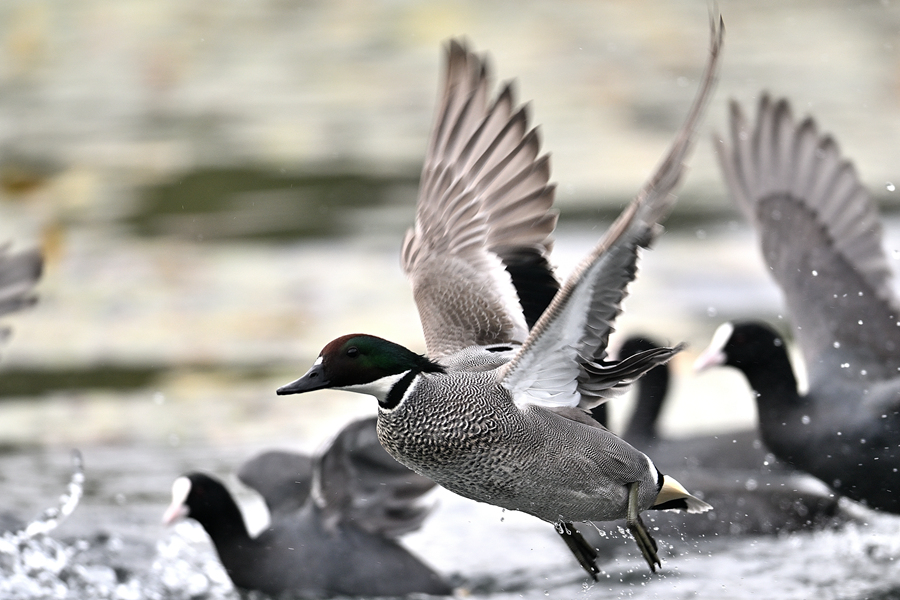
(673, 496)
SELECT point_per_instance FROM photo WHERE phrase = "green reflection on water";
(251, 203)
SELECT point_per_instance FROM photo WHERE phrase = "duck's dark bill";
(313, 380)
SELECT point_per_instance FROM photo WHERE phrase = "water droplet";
(711, 311)
(890, 186)
(860, 322)
(751, 484)
(845, 365)
(863, 372)
(805, 419)
(815, 273)
(837, 344)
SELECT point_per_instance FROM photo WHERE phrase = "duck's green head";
(360, 363)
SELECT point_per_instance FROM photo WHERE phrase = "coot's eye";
(352, 351)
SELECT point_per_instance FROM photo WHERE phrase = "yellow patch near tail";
(672, 490)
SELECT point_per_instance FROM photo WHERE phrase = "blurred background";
(220, 188)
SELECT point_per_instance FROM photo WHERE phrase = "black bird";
(751, 493)
(821, 239)
(282, 478)
(650, 394)
(19, 273)
(339, 542)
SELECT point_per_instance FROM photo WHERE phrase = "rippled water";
(112, 545)
(489, 554)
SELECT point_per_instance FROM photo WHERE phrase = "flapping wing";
(356, 480)
(477, 253)
(562, 362)
(283, 479)
(821, 239)
(19, 272)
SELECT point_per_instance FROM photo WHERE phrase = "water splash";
(34, 565)
(51, 518)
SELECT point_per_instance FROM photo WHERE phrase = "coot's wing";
(821, 239)
(357, 481)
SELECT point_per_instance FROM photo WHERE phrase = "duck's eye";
(352, 351)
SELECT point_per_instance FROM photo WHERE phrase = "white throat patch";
(378, 388)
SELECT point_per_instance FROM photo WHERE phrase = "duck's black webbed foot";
(583, 551)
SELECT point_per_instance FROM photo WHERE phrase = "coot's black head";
(743, 345)
(202, 498)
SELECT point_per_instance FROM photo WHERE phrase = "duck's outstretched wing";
(355, 480)
(562, 362)
(820, 238)
(477, 254)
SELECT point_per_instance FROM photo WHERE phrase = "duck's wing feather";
(356, 481)
(821, 239)
(562, 361)
(477, 254)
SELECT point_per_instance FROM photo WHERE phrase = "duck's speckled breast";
(461, 430)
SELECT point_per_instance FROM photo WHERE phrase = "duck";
(821, 240)
(496, 409)
(340, 542)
